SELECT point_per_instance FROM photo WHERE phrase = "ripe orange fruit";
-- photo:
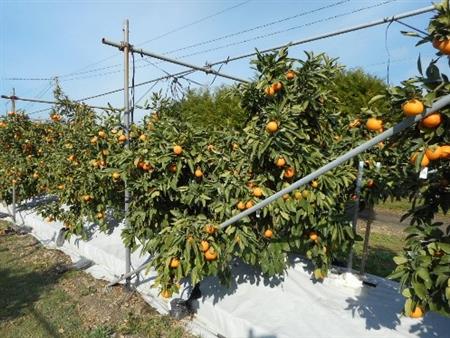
(198, 173)
(425, 161)
(146, 166)
(102, 134)
(442, 45)
(280, 162)
(417, 313)
(122, 138)
(432, 121)
(290, 74)
(210, 229)
(413, 107)
(285, 197)
(257, 192)
(173, 168)
(374, 124)
(289, 172)
(204, 246)
(445, 150)
(270, 91)
(87, 198)
(55, 117)
(240, 205)
(268, 233)
(249, 204)
(174, 263)
(100, 215)
(272, 127)
(177, 150)
(115, 175)
(433, 153)
(370, 183)
(277, 86)
(211, 254)
(143, 138)
(166, 294)
(314, 184)
(313, 236)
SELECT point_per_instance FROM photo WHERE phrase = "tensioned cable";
(144, 42)
(323, 36)
(194, 22)
(217, 39)
(259, 37)
(386, 47)
(256, 27)
(191, 46)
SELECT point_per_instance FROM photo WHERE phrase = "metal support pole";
(14, 201)
(356, 211)
(126, 123)
(370, 218)
(13, 108)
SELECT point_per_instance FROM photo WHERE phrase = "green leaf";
(407, 293)
(420, 290)
(399, 260)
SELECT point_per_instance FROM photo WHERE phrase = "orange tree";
(76, 171)
(184, 182)
(423, 268)
(20, 146)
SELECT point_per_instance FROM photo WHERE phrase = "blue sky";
(43, 39)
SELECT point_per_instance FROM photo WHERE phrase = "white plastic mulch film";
(254, 306)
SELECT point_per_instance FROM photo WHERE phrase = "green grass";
(382, 249)
(37, 300)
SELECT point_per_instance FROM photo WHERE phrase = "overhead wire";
(386, 47)
(194, 22)
(257, 27)
(245, 55)
(329, 18)
(216, 39)
(81, 71)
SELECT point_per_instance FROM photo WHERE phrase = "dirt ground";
(41, 297)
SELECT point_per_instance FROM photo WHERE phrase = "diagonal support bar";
(206, 69)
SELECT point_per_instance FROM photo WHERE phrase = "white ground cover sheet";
(257, 307)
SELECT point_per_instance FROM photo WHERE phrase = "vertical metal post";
(13, 107)
(356, 210)
(370, 218)
(126, 123)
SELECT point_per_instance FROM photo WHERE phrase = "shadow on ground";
(19, 290)
(380, 307)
